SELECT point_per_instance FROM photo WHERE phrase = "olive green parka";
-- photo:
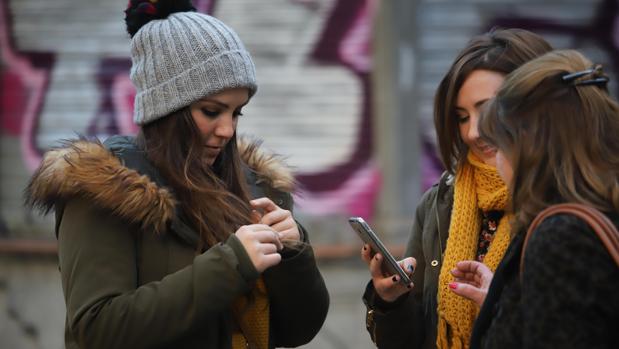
(130, 272)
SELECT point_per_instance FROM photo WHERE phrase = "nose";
(226, 126)
(473, 128)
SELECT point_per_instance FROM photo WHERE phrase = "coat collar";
(88, 169)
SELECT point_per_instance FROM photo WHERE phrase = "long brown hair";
(560, 137)
(214, 199)
(499, 50)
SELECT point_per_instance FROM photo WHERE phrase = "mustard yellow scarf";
(478, 187)
(253, 319)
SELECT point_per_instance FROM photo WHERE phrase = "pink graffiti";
(24, 81)
(355, 197)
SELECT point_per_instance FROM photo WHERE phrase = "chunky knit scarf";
(478, 187)
(253, 319)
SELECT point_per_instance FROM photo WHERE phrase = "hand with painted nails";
(262, 244)
(387, 286)
(472, 280)
(277, 218)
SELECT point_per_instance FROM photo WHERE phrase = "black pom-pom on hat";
(140, 12)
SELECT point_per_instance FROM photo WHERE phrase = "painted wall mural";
(313, 104)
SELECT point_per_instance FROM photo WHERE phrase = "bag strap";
(603, 227)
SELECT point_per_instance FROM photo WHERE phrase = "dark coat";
(568, 297)
(130, 272)
(411, 321)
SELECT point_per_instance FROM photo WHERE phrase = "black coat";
(568, 298)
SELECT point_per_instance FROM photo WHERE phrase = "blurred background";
(345, 93)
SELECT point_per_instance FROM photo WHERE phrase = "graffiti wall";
(65, 69)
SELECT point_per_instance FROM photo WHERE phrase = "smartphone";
(369, 237)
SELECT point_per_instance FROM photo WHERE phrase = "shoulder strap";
(603, 227)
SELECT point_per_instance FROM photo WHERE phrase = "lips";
(486, 149)
(213, 151)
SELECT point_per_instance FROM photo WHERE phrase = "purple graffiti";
(353, 185)
(350, 187)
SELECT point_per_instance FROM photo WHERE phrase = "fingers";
(408, 265)
(366, 254)
(272, 259)
(472, 267)
(255, 216)
(376, 269)
(264, 203)
(261, 233)
(269, 237)
(389, 288)
(261, 244)
(283, 226)
(276, 216)
(473, 272)
(470, 292)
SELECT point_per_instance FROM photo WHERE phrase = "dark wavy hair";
(215, 198)
(499, 50)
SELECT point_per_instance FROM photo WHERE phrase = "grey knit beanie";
(184, 57)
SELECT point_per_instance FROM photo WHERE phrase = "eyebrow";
(221, 104)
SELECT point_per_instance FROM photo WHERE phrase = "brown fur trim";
(88, 169)
(267, 166)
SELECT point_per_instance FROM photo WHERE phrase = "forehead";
(480, 85)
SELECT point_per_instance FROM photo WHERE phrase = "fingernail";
(409, 286)
(394, 278)
(453, 285)
(410, 268)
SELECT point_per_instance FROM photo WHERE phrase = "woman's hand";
(472, 281)
(277, 218)
(388, 287)
(262, 245)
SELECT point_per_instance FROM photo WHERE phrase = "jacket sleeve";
(401, 324)
(298, 297)
(106, 308)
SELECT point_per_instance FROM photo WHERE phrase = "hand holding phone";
(368, 236)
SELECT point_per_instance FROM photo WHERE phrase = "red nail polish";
(453, 285)
(395, 279)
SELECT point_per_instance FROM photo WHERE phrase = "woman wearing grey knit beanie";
(183, 236)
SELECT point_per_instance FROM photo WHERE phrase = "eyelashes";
(210, 113)
(215, 113)
(462, 119)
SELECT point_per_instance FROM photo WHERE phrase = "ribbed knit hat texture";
(182, 58)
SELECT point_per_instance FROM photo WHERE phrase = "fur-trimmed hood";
(87, 169)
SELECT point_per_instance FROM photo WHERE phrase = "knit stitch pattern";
(253, 318)
(183, 58)
(478, 186)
